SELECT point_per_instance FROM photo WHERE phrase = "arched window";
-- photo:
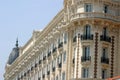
(87, 31)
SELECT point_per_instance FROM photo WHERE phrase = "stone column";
(69, 56)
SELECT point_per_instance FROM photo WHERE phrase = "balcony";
(54, 49)
(48, 72)
(60, 45)
(65, 41)
(28, 72)
(104, 60)
(44, 58)
(32, 71)
(24, 74)
(94, 15)
(75, 39)
(22, 77)
(43, 76)
(87, 37)
(105, 38)
(53, 70)
(40, 61)
(59, 65)
(31, 68)
(49, 54)
(85, 59)
(39, 78)
(36, 65)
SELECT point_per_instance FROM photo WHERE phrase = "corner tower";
(98, 24)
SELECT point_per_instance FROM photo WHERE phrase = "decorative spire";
(16, 42)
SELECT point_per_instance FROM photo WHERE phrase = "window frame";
(88, 7)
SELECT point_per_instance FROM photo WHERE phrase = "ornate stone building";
(82, 42)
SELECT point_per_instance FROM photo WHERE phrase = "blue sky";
(18, 18)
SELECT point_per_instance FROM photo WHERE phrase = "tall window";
(39, 78)
(58, 41)
(57, 77)
(85, 72)
(86, 51)
(105, 31)
(105, 8)
(63, 76)
(104, 53)
(59, 59)
(88, 7)
(64, 56)
(65, 37)
(87, 31)
(104, 73)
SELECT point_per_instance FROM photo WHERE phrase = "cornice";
(18, 64)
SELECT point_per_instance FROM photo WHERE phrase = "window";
(104, 73)
(64, 56)
(63, 76)
(58, 41)
(105, 32)
(56, 77)
(39, 78)
(88, 7)
(59, 59)
(104, 53)
(105, 8)
(85, 72)
(86, 51)
(87, 32)
(53, 63)
(65, 37)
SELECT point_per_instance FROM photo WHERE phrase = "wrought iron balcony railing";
(104, 60)
(48, 72)
(59, 65)
(31, 68)
(54, 49)
(105, 38)
(60, 45)
(53, 69)
(24, 74)
(85, 58)
(36, 65)
(49, 54)
(40, 61)
(44, 58)
(87, 37)
(43, 76)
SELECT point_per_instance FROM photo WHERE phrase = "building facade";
(82, 42)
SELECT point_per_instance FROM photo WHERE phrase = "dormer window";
(88, 7)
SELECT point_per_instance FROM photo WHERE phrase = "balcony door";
(86, 52)
(104, 53)
(105, 31)
(87, 31)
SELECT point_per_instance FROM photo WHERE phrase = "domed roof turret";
(14, 54)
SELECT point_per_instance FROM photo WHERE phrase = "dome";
(14, 54)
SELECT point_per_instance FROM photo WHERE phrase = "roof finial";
(17, 42)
